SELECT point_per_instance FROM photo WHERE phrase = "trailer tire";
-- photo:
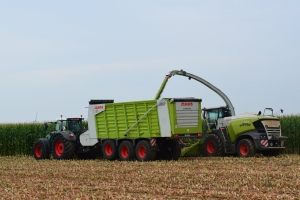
(41, 149)
(62, 148)
(169, 150)
(246, 148)
(126, 151)
(213, 146)
(143, 151)
(110, 150)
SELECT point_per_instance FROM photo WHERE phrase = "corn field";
(19, 139)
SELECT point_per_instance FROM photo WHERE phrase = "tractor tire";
(143, 151)
(62, 148)
(272, 153)
(41, 149)
(110, 150)
(169, 150)
(246, 148)
(213, 146)
(126, 151)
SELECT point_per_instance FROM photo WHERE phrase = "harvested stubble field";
(189, 178)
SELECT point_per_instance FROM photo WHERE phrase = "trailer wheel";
(213, 146)
(143, 151)
(126, 151)
(41, 149)
(83, 154)
(246, 148)
(169, 150)
(62, 148)
(110, 150)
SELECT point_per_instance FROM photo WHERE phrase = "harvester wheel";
(126, 151)
(169, 150)
(110, 150)
(41, 149)
(246, 148)
(213, 146)
(143, 151)
(62, 148)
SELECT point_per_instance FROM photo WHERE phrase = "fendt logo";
(187, 104)
(98, 107)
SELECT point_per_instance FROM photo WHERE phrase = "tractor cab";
(71, 124)
(214, 116)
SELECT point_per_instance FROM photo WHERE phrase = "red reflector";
(223, 129)
(70, 135)
(199, 134)
(176, 135)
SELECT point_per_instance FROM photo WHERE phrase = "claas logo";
(98, 107)
(187, 104)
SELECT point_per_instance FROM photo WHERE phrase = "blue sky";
(55, 56)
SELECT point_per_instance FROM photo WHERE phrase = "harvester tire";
(110, 150)
(41, 149)
(62, 148)
(246, 148)
(126, 151)
(169, 150)
(143, 151)
(213, 146)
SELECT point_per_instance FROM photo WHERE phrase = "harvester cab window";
(212, 116)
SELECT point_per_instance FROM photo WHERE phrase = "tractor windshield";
(75, 126)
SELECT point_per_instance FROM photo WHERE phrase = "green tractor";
(63, 143)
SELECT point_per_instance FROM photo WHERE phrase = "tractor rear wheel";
(41, 149)
(110, 150)
(246, 148)
(62, 148)
(126, 151)
(213, 146)
(143, 151)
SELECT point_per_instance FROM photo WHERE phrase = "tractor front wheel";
(246, 148)
(41, 149)
(213, 146)
(62, 148)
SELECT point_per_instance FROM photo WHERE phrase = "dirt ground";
(188, 178)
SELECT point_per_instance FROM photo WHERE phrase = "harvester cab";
(214, 117)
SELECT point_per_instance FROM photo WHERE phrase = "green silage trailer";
(142, 130)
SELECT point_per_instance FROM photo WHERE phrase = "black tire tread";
(130, 149)
(219, 145)
(45, 149)
(69, 148)
(251, 146)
